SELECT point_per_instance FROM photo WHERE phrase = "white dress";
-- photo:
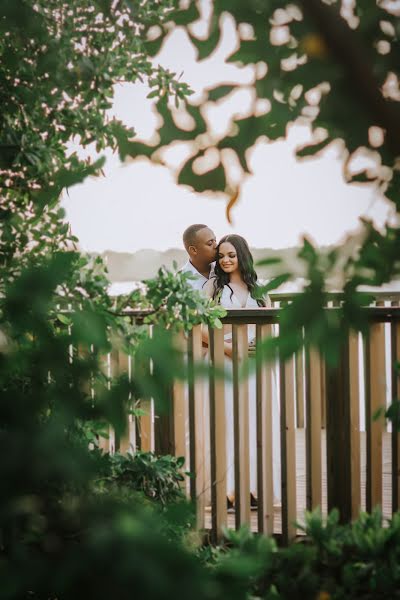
(229, 300)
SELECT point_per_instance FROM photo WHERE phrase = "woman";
(235, 286)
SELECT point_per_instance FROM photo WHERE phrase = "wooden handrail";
(268, 316)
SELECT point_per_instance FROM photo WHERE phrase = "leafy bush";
(171, 302)
(355, 561)
(59, 537)
(158, 477)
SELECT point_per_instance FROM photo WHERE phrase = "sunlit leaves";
(175, 305)
(207, 46)
(59, 65)
(220, 91)
(312, 149)
(187, 15)
(213, 180)
(169, 130)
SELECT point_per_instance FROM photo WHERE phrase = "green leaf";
(276, 282)
(207, 46)
(153, 47)
(312, 149)
(213, 180)
(64, 319)
(220, 91)
(184, 17)
(217, 324)
(274, 260)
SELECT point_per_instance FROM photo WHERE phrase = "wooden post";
(113, 373)
(323, 394)
(264, 438)
(198, 429)
(241, 426)
(395, 343)
(145, 421)
(288, 451)
(146, 426)
(104, 443)
(126, 442)
(355, 464)
(341, 435)
(217, 435)
(313, 429)
(179, 405)
(299, 365)
(375, 395)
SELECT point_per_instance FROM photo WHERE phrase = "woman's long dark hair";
(246, 268)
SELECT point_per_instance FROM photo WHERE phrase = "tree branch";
(348, 49)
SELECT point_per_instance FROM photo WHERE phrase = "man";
(200, 244)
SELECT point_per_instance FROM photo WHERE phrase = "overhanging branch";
(348, 49)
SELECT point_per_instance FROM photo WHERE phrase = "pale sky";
(138, 205)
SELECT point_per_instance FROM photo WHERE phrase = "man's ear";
(192, 250)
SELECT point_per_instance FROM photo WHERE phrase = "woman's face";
(227, 258)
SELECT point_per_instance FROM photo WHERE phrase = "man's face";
(205, 245)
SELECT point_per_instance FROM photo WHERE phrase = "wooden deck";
(301, 483)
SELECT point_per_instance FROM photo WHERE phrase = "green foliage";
(331, 68)
(172, 303)
(64, 532)
(158, 477)
(305, 319)
(305, 57)
(75, 523)
(359, 561)
(60, 63)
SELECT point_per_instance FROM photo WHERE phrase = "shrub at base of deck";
(360, 560)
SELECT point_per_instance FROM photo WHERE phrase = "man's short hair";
(189, 235)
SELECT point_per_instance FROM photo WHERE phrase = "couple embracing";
(224, 271)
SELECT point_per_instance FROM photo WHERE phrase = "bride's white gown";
(229, 300)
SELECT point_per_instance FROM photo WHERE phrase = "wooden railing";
(333, 452)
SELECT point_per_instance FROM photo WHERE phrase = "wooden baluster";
(323, 394)
(313, 429)
(104, 364)
(300, 388)
(198, 429)
(264, 437)
(127, 441)
(340, 435)
(114, 368)
(179, 404)
(376, 395)
(355, 464)
(395, 343)
(217, 435)
(241, 426)
(145, 427)
(161, 428)
(83, 352)
(288, 451)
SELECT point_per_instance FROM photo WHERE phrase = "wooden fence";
(332, 451)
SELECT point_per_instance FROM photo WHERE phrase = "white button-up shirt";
(200, 280)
